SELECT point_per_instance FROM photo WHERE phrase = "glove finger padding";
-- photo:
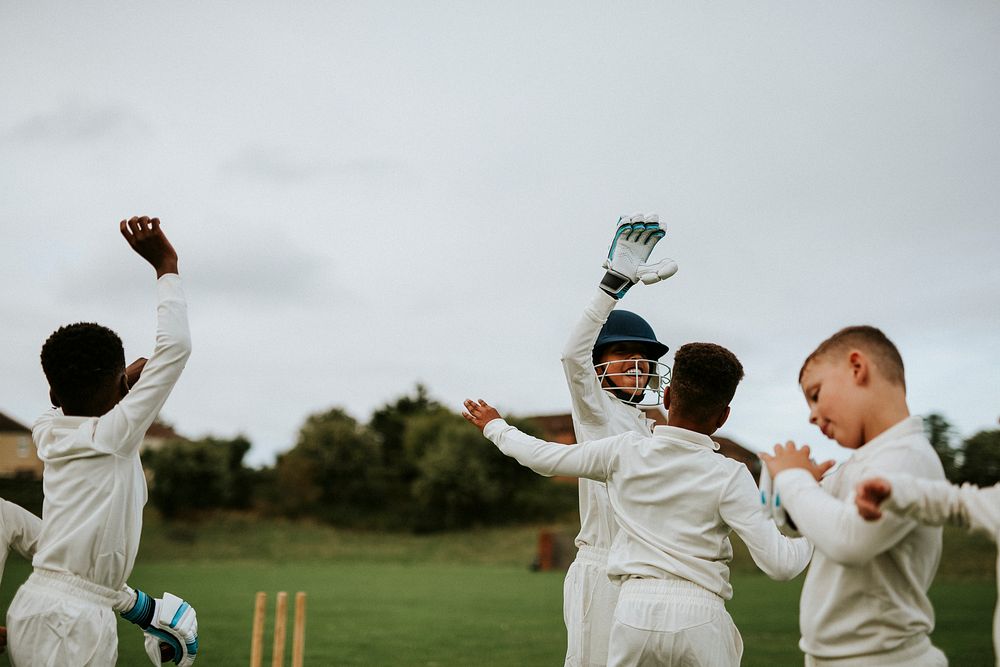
(175, 623)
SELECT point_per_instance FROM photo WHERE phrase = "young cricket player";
(610, 361)
(19, 531)
(676, 500)
(864, 601)
(94, 485)
(935, 503)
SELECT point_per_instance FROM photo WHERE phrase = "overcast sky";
(367, 195)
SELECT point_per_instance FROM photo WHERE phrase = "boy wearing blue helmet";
(611, 364)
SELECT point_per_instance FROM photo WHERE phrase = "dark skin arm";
(149, 241)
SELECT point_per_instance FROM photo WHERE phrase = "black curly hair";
(703, 380)
(82, 362)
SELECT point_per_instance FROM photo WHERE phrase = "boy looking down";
(864, 601)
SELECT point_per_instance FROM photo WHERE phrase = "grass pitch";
(458, 599)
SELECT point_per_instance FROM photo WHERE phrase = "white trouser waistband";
(592, 555)
(78, 587)
(640, 587)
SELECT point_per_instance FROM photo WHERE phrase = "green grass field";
(460, 598)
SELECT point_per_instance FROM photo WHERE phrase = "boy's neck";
(884, 417)
(679, 421)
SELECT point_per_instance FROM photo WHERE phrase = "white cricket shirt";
(596, 415)
(676, 500)
(93, 482)
(19, 530)
(936, 503)
(866, 591)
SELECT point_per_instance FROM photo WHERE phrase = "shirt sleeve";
(594, 460)
(588, 398)
(778, 556)
(834, 526)
(123, 428)
(936, 503)
(19, 529)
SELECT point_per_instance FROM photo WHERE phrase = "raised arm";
(593, 460)
(590, 404)
(932, 502)
(126, 424)
(634, 239)
(779, 557)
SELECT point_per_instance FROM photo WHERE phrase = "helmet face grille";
(638, 382)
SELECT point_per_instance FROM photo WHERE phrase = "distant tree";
(463, 480)
(941, 433)
(389, 423)
(197, 475)
(333, 472)
(981, 459)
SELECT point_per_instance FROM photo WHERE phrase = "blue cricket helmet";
(627, 327)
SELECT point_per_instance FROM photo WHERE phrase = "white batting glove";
(633, 243)
(175, 623)
(771, 501)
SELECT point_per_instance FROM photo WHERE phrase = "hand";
(175, 623)
(869, 495)
(134, 370)
(147, 239)
(634, 240)
(480, 414)
(788, 456)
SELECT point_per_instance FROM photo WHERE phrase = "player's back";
(666, 492)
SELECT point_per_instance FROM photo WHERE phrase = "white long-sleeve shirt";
(937, 503)
(93, 481)
(596, 415)
(676, 500)
(19, 530)
(866, 591)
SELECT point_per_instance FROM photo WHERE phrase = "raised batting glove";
(630, 249)
(170, 625)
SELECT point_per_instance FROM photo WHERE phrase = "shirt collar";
(684, 435)
(912, 425)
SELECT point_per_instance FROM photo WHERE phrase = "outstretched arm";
(593, 460)
(932, 502)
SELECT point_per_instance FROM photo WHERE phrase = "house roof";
(8, 425)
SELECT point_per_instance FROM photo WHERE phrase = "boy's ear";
(666, 397)
(860, 367)
(723, 416)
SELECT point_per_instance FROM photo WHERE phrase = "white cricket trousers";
(917, 652)
(672, 623)
(60, 620)
(589, 600)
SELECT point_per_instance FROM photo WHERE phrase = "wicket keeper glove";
(630, 249)
(170, 626)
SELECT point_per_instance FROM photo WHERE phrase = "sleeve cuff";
(494, 429)
(169, 286)
(788, 481)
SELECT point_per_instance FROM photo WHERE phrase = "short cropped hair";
(703, 380)
(81, 360)
(869, 340)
